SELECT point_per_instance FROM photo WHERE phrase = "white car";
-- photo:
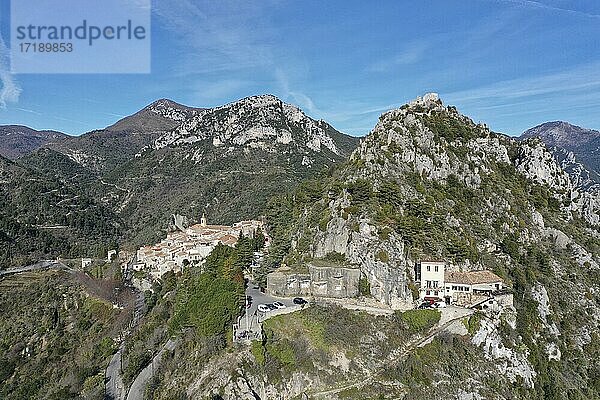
(278, 304)
(439, 304)
(263, 308)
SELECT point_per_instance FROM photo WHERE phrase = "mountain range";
(17, 141)
(169, 158)
(426, 183)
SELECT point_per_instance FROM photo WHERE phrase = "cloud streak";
(412, 54)
(541, 6)
(582, 78)
(227, 37)
(11, 90)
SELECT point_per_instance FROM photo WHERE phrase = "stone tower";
(203, 220)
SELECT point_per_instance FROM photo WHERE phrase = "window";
(428, 292)
(428, 268)
(436, 268)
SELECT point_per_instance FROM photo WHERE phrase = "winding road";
(114, 387)
(40, 265)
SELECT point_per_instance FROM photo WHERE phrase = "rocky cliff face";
(258, 122)
(430, 175)
(429, 182)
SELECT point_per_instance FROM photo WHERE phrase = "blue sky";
(510, 63)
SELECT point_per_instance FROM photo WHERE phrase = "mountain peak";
(562, 134)
(575, 148)
(427, 100)
(256, 122)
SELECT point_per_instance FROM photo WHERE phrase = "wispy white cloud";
(542, 6)
(11, 90)
(27, 110)
(582, 78)
(299, 98)
(411, 54)
(216, 37)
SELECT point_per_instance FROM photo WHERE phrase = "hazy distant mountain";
(17, 141)
(105, 149)
(573, 146)
(161, 115)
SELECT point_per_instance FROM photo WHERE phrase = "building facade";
(318, 281)
(437, 283)
(432, 279)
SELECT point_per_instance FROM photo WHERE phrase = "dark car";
(299, 301)
(425, 305)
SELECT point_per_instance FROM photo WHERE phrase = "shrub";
(382, 256)
(335, 257)
(364, 287)
(473, 323)
(258, 351)
(419, 321)
(360, 190)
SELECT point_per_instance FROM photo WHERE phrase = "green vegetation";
(419, 321)
(364, 287)
(207, 303)
(198, 307)
(335, 257)
(55, 338)
(43, 217)
(453, 354)
(473, 323)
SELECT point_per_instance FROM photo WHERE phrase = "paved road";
(114, 387)
(256, 317)
(114, 384)
(43, 264)
(138, 387)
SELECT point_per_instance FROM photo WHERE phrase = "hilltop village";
(193, 244)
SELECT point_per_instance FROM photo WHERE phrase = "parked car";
(299, 301)
(263, 308)
(424, 305)
(271, 306)
(440, 304)
(278, 304)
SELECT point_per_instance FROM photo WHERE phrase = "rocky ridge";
(256, 122)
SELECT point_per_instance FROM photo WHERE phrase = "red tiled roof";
(471, 277)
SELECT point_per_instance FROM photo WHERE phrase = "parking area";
(250, 321)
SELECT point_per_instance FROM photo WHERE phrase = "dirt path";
(410, 346)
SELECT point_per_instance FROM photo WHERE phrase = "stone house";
(318, 281)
